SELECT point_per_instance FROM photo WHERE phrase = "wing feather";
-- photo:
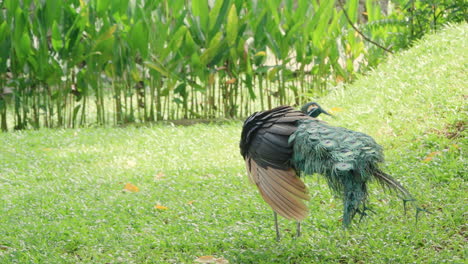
(267, 153)
(281, 189)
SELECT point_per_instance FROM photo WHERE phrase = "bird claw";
(405, 200)
(363, 212)
(418, 209)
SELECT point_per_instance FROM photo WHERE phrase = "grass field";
(171, 194)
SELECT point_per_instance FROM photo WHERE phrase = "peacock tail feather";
(347, 159)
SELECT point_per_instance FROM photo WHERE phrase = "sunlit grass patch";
(167, 194)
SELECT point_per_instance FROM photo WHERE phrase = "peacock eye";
(344, 166)
(312, 107)
(347, 152)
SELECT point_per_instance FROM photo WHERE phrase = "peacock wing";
(267, 152)
(282, 189)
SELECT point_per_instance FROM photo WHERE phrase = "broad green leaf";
(53, 9)
(214, 14)
(181, 89)
(24, 48)
(218, 15)
(212, 49)
(373, 11)
(139, 38)
(121, 7)
(352, 10)
(11, 5)
(178, 101)
(200, 9)
(249, 83)
(273, 7)
(195, 61)
(177, 38)
(232, 26)
(75, 112)
(272, 73)
(4, 31)
(190, 45)
(103, 5)
(159, 68)
(107, 34)
(57, 42)
(20, 24)
(273, 45)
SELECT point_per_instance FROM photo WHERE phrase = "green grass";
(62, 197)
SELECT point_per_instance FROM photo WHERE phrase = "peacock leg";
(363, 211)
(276, 226)
(298, 229)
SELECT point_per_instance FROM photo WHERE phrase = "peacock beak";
(325, 112)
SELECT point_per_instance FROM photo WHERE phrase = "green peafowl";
(279, 144)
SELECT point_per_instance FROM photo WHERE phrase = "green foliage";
(81, 63)
(127, 61)
(428, 16)
(63, 199)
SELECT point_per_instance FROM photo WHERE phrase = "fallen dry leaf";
(2, 247)
(339, 79)
(131, 163)
(191, 202)
(131, 188)
(161, 207)
(430, 156)
(211, 259)
(159, 176)
(335, 109)
(427, 159)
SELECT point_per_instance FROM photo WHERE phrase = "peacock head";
(313, 109)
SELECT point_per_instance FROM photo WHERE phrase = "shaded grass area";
(63, 198)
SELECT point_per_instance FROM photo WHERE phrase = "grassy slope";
(62, 199)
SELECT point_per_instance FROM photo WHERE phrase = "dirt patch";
(452, 130)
